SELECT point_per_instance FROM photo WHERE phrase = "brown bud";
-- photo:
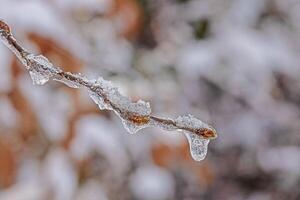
(4, 27)
(139, 120)
(208, 133)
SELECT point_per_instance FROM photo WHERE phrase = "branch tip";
(4, 27)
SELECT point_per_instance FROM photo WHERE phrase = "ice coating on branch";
(37, 78)
(164, 126)
(68, 83)
(100, 96)
(191, 122)
(99, 101)
(133, 114)
(133, 127)
(13, 49)
(40, 69)
(198, 144)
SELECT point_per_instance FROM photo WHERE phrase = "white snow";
(152, 183)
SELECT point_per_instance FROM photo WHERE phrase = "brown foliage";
(131, 14)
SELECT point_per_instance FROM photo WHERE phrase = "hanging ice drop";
(199, 139)
(198, 146)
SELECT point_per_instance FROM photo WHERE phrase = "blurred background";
(233, 63)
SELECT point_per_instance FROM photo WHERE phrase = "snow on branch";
(134, 115)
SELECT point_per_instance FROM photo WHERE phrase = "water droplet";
(198, 146)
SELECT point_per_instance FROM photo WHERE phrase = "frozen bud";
(4, 27)
(196, 126)
(208, 132)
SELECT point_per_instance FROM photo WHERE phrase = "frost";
(107, 86)
(164, 126)
(40, 69)
(123, 103)
(190, 121)
(198, 146)
(141, 108)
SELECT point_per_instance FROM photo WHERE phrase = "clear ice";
(99, 101)
(132, 127)
(190, 121)
(13, 49)
(40, 69)
(68, 83)
(124, 104)
(140, 108)
(198, 145)
(166, 127)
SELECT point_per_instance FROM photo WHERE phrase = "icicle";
(198, 146)
(41, 70)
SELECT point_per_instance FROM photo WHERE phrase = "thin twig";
(205, 131)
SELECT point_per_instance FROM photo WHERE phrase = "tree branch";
(134, 115)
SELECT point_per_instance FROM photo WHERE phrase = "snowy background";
(233, 63)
